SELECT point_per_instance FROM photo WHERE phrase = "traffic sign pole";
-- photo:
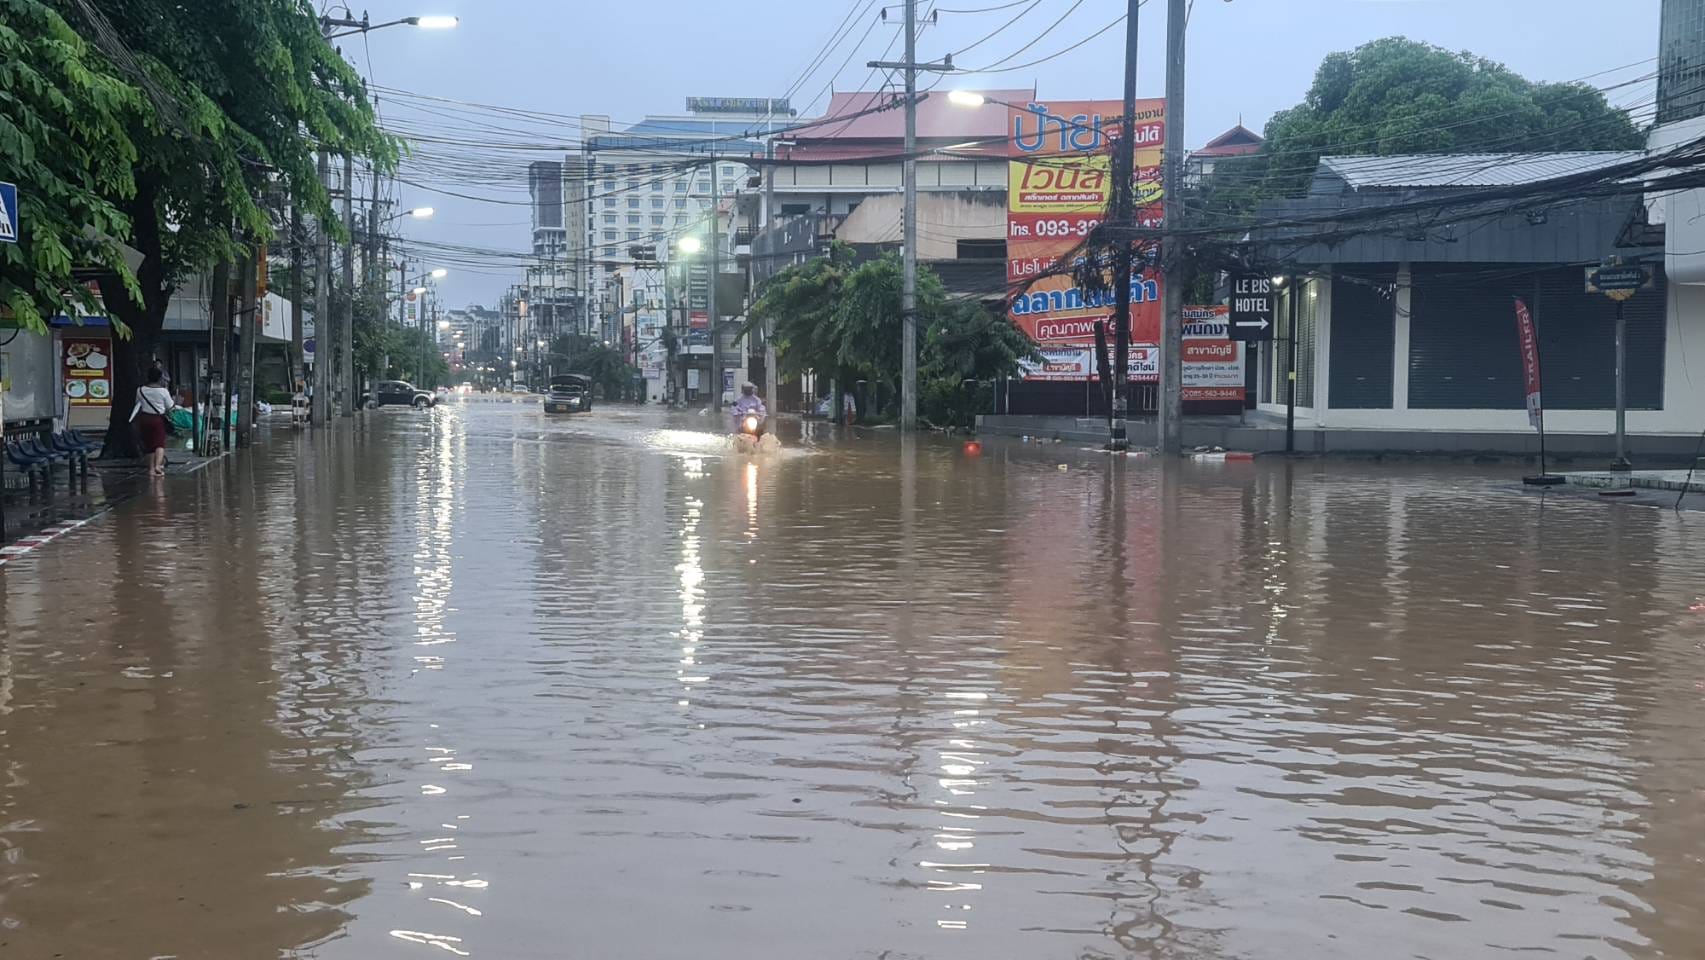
(1619, 282)
(1621, 461)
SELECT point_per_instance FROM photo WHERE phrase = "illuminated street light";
(691, 244)
(966, 98)
(330, 26)
(417, 291)
(419, 213)
(439, 273)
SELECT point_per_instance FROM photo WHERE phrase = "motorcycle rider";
(749, 403)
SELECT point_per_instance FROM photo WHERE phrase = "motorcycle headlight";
(751, 423)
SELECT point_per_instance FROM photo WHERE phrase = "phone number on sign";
(1065, 228)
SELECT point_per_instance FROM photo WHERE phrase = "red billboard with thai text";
(1059, 189)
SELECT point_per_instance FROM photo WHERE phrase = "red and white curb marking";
(23, 546)
(1223, 456)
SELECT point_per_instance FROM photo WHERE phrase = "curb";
(24, 546)
(1224, 456)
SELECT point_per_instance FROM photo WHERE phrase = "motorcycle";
(751, 434)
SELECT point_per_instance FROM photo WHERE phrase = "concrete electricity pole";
(1172, 249)
(714, 259)
(1124, 214)
(371, 277)
(297, 295)
(909, 281)
(909, 256)
(771, 378)
(324, 328)
(346, 323)
(248, 321)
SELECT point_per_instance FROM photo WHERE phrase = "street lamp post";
(334, 27)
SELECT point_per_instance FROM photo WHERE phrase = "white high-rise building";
(650, 184)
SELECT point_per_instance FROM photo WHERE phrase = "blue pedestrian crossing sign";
(8, 213)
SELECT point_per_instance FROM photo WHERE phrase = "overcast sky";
(1247, 58)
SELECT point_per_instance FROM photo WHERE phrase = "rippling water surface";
(475, 683)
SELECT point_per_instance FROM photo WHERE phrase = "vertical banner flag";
(1059, 188)
(1529, 364)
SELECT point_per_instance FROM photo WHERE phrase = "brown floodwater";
(475, 683)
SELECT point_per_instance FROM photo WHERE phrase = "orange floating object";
(973, 448)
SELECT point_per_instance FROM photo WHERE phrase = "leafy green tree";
(845, 321)
(238, 95)
(1400, 96)
(799, 302)
(63, 137)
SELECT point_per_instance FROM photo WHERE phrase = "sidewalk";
(1264, 433)
(34, 518)
(1675, 481)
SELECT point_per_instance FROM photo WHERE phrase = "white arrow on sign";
(1259, 324)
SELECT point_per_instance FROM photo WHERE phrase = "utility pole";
(370, 274)
(1124, 215)
(771, 377)
(710, 296)
(909, 255)
(218, 346)
(1172, 248)
(346, 323)
(296, 293)
(247, 320)
(324, 328)
(909, 281)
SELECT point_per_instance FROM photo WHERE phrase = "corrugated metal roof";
(1468, 169)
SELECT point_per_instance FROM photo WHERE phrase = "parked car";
(569, 393)
(398, 393)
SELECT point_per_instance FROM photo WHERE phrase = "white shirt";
(156, 400)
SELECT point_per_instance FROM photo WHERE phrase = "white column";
(1400, 341)
(1322, 348)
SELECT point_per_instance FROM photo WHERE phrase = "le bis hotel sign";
(1059, 188)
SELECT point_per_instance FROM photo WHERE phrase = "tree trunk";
(132, 355)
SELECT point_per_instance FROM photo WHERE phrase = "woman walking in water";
(153, 403)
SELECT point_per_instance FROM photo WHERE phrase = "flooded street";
(477, 683)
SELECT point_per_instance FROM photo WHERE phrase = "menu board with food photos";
(86, 372)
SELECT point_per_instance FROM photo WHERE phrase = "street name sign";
(1251, 316)
(8, 213)
(1618, 282)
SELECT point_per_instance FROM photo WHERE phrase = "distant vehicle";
(519, 387)
(398, 393)
(570, 393)
(465, 388)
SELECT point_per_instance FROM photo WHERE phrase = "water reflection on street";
(472, 682)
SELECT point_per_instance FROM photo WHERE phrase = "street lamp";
(417, 291)
(351, 25)
(439, 273)
(966, 98)
(691, 244)
(419, 213)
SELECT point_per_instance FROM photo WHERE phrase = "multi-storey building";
(651, 184)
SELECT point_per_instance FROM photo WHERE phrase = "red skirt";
(152, 426)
